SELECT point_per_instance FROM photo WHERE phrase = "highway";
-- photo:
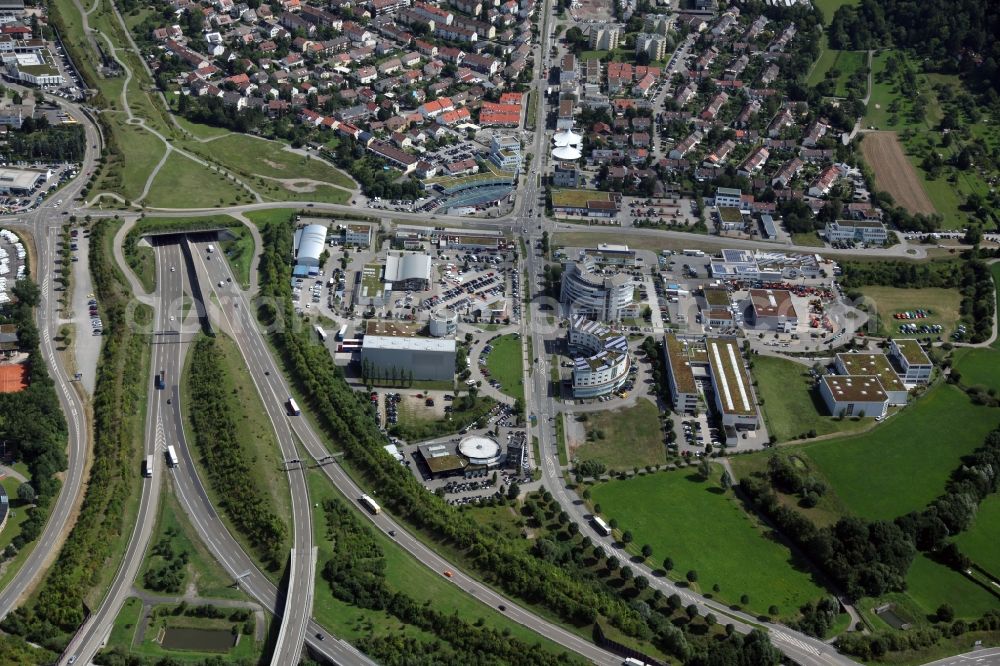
(166, 356)
(236, 314)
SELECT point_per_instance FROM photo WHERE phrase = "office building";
(590, 292)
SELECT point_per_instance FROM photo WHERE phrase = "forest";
(957, 36)
(37, 141)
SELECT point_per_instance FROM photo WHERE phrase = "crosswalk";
(779, 635)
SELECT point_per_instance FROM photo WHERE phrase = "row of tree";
(213, 420)
(37, 141)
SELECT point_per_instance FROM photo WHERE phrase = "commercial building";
(871, 232)
(20, 181)
(308, 245)
(589, 292)
(733, 392)
(874, 365)
(606, 361)
(680, 377)
(726, 197)
(442, 459)
(565, 175)
(505, 152)
(767, 266)
(585, 203)
(387, 350)
(408, 271)
(853, 395)
(358, 234)
(772, 309)
(607, 254)
(443, 323)
(915, 367)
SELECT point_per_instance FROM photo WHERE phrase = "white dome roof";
(567, 153)
(567, 138)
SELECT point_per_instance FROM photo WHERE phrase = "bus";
(632, 661)
(342, 332)
(370, 504)
(694, 253)
(171, 456)
(601, 526)
(148, 472)
(293, 407)
(321, 333)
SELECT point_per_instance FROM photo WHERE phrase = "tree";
(513, 491)
(26, 493)
(647, 551)
(668, 564)
(691, 611)
(945, 613)
(692, 576)
(704, 469)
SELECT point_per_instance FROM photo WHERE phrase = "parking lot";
(61, 173)
(12, 266)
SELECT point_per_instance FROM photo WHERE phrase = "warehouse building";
(426, 358)
(309, 245)
(915, 367)
(605, 363)
(772, 309)
(408, 271)
(874, 365)
(590, 292)
(731, 386)
(683, 390)
(853, 395)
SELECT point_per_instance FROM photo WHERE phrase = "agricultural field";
(894, 173)
(505, 365)
(979, 542)
(792, 407)
(942, 304)
(931, 584)
(622, 438)
(944, 134)
(916, 451)
(671, 510)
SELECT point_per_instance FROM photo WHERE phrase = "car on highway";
(448, 573)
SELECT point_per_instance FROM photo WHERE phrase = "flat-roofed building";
(915, 366)
(611, 255)
(680, 377)
(772, 309)
(20, 181)
(442, 459)
(358, 234)
(605, 361)
(876, 365)
(873, 232)
(733, 392)
(853, 395)
(426, 358)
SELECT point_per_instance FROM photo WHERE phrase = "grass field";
(506, 365)
(980, 541)
(701, 528)
(904, 463)
(978, 367)
(810, 239)
(255, 432)
(830, 7)
(931, 584)
(632, 437)
(183, 183)
(791, 406)
(12, 528)
(253, 157)
(201, 569)
(943, 304)
(844, 62)
(140, 153)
